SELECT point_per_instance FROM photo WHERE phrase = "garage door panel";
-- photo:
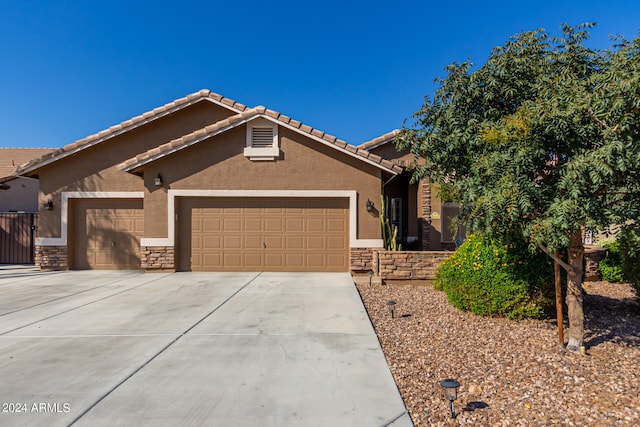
(252, 225)
(315, 260)
(232, 225)
(264, 234)
(252, 260)
(210, 224)
(274, 225)
(335, 243)
(210, 242)
(232, 242)
(294, 225)
(294, 260)
(335, 225)
(315, 243)
(294, 242)
(272, 243)
(274, 261)
(335, 260)
(315, 225)
(253, 242)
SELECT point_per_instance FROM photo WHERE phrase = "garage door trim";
(64, 211)
(352, 195)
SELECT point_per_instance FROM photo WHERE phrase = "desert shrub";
(611, 265)
(629, 245)
(492, 277)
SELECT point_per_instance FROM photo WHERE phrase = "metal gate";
(17, 237)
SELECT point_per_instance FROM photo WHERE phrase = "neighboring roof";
(381, 140)
(135, 164)
(127, 125)
(12, 158)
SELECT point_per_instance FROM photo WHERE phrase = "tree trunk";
(574, 293)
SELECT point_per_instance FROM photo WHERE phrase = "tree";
(542, 141)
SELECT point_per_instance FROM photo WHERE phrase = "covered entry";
(105, 234)
(263, 234)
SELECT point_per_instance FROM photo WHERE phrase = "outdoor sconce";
(158, 180)
(369, 206)
(392, 308)
(48, 206)
(450, 387)
(370, 276)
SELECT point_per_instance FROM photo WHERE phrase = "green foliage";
(611, 265)
(497, 277)
(542, 140)
(389, 235)
(629, 243)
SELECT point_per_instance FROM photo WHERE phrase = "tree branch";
(589, 113)
(563, 264)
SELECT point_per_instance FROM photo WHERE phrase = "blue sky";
(352, 69)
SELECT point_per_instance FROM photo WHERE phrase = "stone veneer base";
(52, 257)
(158, 258)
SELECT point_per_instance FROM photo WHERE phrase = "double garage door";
(219, 234)
(263, 234)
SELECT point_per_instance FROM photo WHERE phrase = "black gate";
(17, 237)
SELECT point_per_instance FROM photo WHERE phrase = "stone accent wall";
(362, 260)
(424, 213)
(592, 256)
(158, 258)
(410, 265)
(52, 257)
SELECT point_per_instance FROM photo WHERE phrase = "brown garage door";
(105, 234)
(263, 234)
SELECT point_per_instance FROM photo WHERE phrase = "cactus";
(389, 235)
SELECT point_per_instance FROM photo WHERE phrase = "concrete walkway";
(100, 348)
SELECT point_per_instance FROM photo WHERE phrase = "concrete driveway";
(103, 348)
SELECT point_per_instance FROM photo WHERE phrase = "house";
(18, 194)
(424, 221)
(205, 183)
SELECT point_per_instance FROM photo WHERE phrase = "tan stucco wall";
(22, 196)
(219, 164)
(96, 168)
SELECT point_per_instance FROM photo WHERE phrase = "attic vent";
(262, 140)
(262, 137)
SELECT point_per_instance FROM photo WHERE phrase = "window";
(450, 230)
(262, 140)
(396, 215)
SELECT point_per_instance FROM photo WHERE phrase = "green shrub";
(611, 265)
(629, 243)
(497, 278)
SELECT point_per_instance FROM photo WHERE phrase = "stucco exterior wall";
(22, 196)
(219, 164)
(96, 168)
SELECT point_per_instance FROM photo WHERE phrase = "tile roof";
(12, 158)
(245, 116)
(381, 140)
(133, 123)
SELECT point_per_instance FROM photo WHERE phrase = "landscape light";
(392, 308)
(450, 387)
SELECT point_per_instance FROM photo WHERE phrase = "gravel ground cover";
(511, 373)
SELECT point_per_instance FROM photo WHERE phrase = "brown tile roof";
(381, 140)
(247, 115)
(12, 158)
(132, 123)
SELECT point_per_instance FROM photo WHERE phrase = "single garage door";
(105, 234)
(263, 234)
